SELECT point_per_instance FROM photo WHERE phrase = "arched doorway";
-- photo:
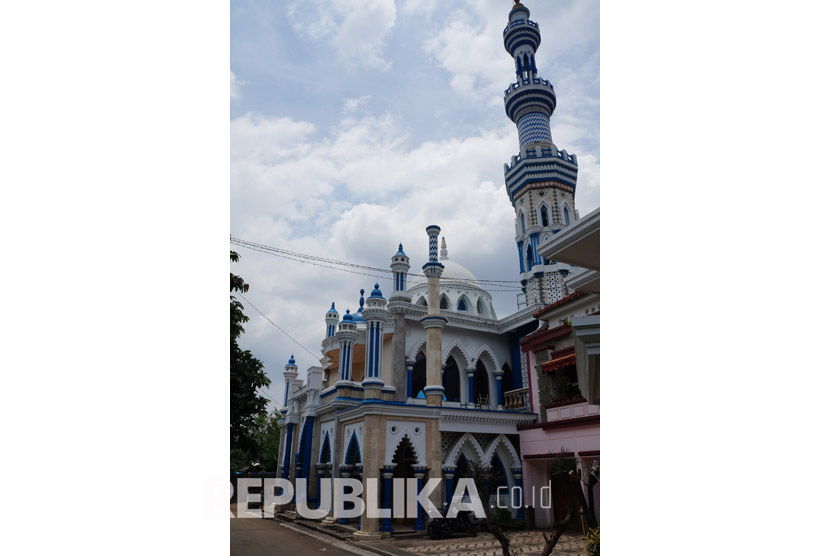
(419, 375)
(404, 459)
(451, 381)
(507, 379)
(481, 382)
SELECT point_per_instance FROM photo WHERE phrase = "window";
(523, 221)
(444, 303)
(544, 215)
(567, 217)
(461, 305)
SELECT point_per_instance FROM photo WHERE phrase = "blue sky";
(356, 124)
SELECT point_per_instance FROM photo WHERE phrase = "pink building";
(563, 371)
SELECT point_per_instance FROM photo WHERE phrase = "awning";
(559, 363)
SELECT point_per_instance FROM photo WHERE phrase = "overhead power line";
(383, 273)
(316, 357)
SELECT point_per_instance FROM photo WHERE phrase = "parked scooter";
(443, 527)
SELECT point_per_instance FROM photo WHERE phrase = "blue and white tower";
(332, 318)
(375, 315)
(346, 336)
(397, 307)
(400, 266)
(290, 373)
(540, 180)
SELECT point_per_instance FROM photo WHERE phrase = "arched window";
(522, 218)
(422, 301)
(507, 379)
(567, 217)
(544, 215)
(462, 306)
(481, 382)
(450, 381)
(444, 302)
(419, 375)
(482, 308)
(529, 258)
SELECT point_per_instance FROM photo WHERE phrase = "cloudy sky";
(355, 124)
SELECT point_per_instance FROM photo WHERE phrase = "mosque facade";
(425, 380)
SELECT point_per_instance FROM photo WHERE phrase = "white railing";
(517, 400)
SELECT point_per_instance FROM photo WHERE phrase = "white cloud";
(356, 29)
(235, 85)
(352, 104)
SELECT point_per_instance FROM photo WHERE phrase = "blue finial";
(376, 292)
(400, 252)
(362, 300)
(332, 310)
(291, 361)
(332, 305)
(347, 317)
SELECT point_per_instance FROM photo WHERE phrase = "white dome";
(456, 284)
(452, 272)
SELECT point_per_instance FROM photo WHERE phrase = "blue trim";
(433, 317)
(325, 451)
(353, 451)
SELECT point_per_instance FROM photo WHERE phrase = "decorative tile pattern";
(533, 127)
(521, 542)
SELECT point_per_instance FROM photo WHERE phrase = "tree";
(266, 436)
(247, 375)
(561, 466)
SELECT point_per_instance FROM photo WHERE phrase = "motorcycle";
(443, 527)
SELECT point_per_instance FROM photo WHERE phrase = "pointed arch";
(420, 346)
(456, 346)
(421, 301)
(464, 303)
(545, 214)
(529, 257)
(469, 447)
(522, 220)
(502, 446)
(353, 451)
(481, 307)
(404, 445)
(444, 301)
(325, 450)
(486, 353)
(567, 213)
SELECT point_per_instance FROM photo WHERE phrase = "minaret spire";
(541, 179)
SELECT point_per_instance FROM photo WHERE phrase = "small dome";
(291, 361)
(376, 292)
(348, 318)
(333, 310)
(400, 252)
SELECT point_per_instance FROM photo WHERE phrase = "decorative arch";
(529, 256)
(418, 347)
(464, 304)
(567, 213)
(469, 447)
(545, 214)
(481, 307)
(444, 302)
(405, 436)
(325, 451)
(502, 446)
(522, 220)
(456, 345)
(490, 358)
(353, 451)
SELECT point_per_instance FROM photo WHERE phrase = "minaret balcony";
(532, 94)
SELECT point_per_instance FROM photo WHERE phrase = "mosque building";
(425, 380)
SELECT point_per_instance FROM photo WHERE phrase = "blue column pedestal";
(386, 522)
(420, 522)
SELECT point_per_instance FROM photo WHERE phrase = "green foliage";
(266, 436)
(246, 376)
(592, 538)
(563, 464)
(239, 459)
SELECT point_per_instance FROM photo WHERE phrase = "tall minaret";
(433, 323)
(540, 180)
(398, 303)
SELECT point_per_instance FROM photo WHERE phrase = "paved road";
(266, 537)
